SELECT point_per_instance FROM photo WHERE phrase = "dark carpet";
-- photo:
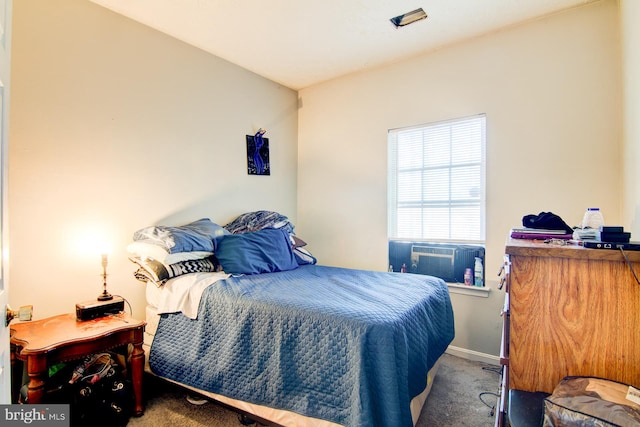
(463, 393)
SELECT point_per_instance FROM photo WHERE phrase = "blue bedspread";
(349, 346)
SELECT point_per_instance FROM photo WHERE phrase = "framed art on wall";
(258, 154)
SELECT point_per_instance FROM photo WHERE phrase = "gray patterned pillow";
(159, 273)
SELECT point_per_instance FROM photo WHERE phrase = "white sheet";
(153, 294)
(183, 293)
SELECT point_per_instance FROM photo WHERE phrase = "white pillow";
(146, 250)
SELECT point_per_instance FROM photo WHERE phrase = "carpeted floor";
(455, 400)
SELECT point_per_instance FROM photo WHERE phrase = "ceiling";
(298, 43)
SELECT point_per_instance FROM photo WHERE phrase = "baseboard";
(473, 355)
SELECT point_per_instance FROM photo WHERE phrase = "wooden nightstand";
(62, 338)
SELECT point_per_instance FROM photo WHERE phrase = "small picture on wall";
(258, 154)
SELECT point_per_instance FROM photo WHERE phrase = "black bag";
(97, 390)
(546, 220)
(100, 394)
(108, 402)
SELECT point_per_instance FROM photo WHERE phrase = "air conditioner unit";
(445, 261)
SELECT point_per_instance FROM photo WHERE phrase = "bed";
(271, 332)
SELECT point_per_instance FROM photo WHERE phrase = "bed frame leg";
(245, 420)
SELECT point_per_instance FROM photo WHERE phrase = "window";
(436, 179)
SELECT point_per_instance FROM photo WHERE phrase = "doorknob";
(10, 314)
(24, 313)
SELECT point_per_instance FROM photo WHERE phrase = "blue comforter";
(349, 346)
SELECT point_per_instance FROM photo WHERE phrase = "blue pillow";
(201, 235)
(265, 251)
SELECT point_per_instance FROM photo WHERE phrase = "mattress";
(286, 417)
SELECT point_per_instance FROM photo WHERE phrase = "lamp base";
(93, 309)
(105, 296)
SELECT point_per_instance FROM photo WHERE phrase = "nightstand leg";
(37, 370)
(137, 368)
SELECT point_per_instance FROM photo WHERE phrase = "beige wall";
(114, 127)
(630, 14)
(551, 90)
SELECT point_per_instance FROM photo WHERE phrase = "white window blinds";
(436, 178)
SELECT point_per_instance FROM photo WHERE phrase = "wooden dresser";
(568, 311)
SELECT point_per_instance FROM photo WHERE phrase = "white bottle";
(592, 219)
(478, 273)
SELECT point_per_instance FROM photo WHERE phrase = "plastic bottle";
(592, 219)
(467, 277)
(478, 273)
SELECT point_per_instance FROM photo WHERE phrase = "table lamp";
(104, 296)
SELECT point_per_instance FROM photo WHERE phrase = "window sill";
(482, 292)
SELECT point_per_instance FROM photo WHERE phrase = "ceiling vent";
(408, 18)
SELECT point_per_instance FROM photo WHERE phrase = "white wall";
(630, 14)
(551, 89)
(114, 127)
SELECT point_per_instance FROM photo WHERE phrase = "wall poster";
(258, 154)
